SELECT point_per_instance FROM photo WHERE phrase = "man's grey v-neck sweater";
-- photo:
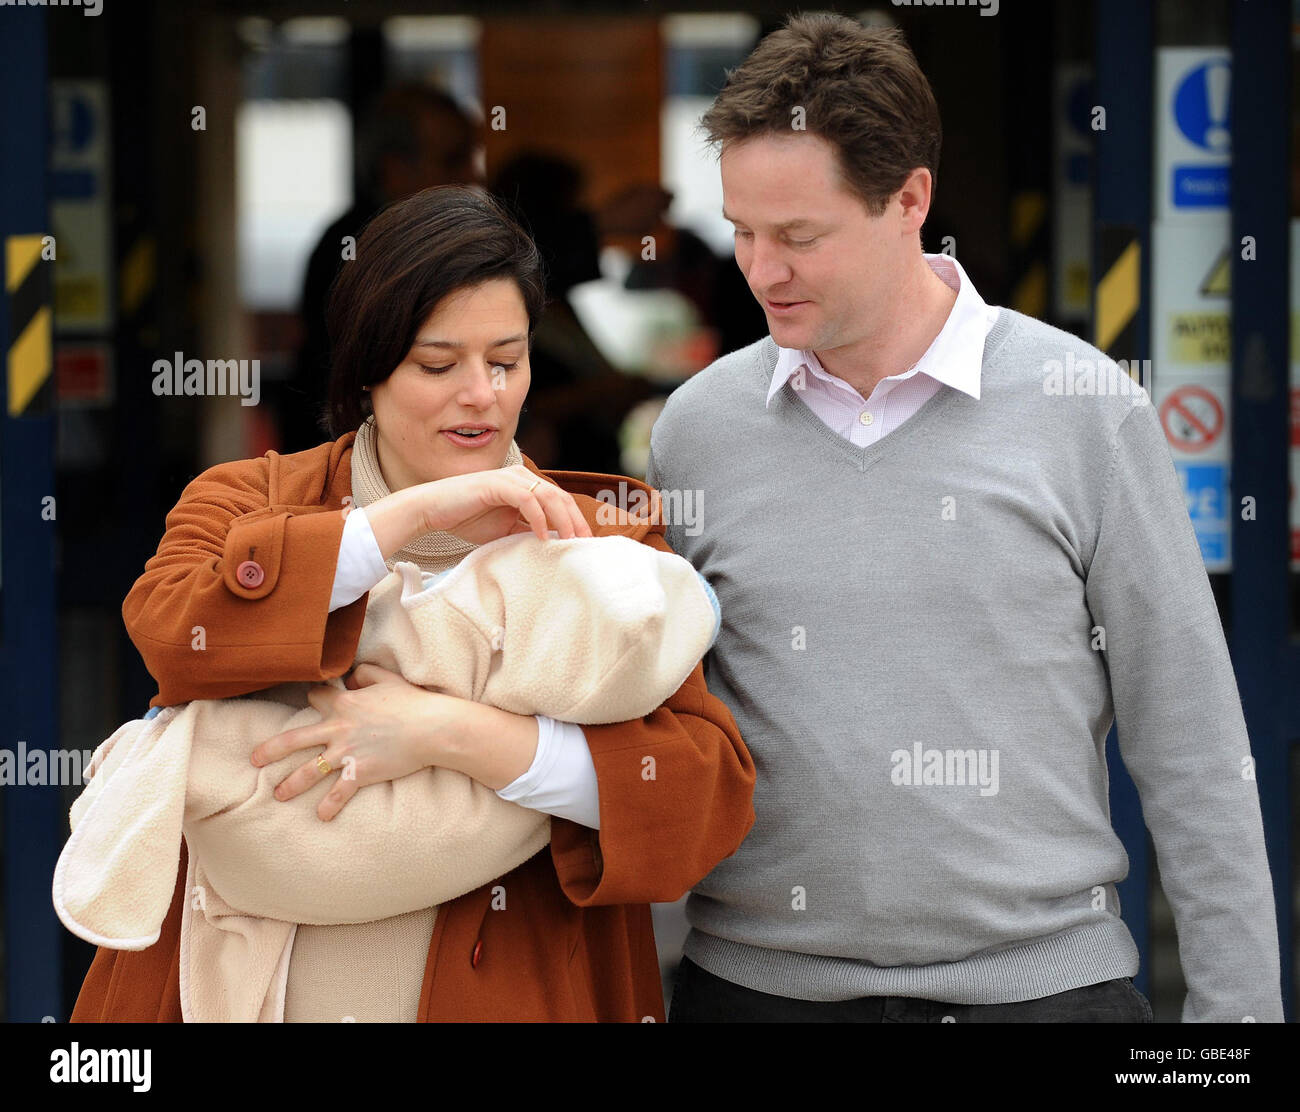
(924, 642)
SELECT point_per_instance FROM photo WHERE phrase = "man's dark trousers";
(700, 997)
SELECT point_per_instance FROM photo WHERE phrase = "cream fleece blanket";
(588, 630)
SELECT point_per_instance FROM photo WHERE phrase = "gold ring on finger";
(321, 763)
(536, 484)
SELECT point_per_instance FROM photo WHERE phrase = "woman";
(261, 578)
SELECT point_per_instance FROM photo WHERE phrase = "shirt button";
(250, 574)
(865, 417)
(478, 949)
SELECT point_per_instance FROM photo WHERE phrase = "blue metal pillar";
(1267, 661)
(33, 813)
(1122, 207)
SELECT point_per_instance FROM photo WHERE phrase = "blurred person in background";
(414, 137)
(685, 263)
(579, 399)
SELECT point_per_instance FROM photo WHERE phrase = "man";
(941, 576)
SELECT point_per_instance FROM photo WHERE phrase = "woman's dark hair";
(408, 258)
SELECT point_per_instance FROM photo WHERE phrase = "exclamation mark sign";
(1218, 80)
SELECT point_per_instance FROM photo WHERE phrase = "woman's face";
(467, 370)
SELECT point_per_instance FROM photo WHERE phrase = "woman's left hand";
(381, 728)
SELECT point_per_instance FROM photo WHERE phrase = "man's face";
(821, 266)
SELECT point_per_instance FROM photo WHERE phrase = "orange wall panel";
(587, 88)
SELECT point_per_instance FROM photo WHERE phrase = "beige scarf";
(433, 552)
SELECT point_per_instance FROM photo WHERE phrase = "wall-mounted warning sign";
(1191, 270)
(1194, 415)
(1191, 299)
(80, 209)
(1193, 139)
(1192, 418)
(1205, 488)
(1191, 348)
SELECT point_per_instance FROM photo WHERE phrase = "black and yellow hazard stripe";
(30, 357)
(1119, 291)
(137, 276)
(1030, 251)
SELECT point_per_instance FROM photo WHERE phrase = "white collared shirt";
(953, 359)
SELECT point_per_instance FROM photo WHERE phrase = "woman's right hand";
(477, 507)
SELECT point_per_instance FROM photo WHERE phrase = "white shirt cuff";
(561, 780)
(361, 563)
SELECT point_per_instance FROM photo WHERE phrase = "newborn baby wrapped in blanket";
(588, 630)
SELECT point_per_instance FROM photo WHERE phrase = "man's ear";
(915, 197)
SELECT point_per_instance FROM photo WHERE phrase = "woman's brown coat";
(249, 555)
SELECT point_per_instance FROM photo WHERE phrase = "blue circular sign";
(1202, 105)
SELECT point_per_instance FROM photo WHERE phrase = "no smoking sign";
(1192, 418)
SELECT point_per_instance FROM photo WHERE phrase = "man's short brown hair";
(860, 89)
